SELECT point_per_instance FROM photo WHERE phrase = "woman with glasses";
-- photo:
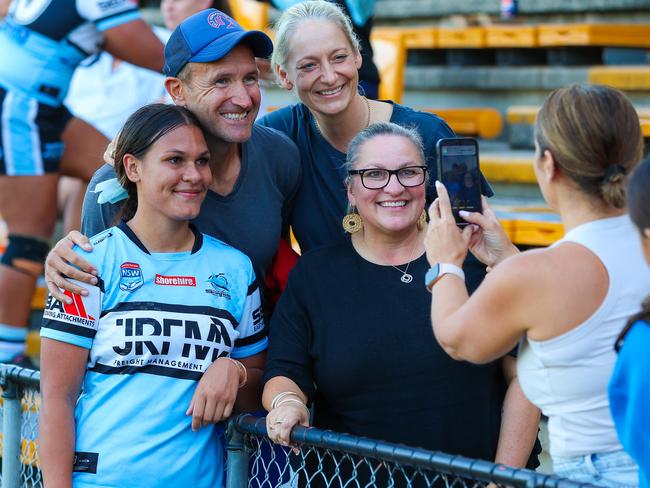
(351, 332)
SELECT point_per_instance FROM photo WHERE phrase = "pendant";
(406, 278)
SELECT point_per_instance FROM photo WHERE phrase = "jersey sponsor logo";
(174, 280)
(217, 19)
(85, 462)
(178, 340)
(130, 277)
(219, 285)
(82, 311)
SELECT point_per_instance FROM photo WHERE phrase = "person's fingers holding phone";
(445, 242)
(489, 243)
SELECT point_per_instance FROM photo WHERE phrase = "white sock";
(12, 342)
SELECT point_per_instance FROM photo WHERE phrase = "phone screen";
(458, 169)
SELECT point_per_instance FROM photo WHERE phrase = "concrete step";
(493, 78)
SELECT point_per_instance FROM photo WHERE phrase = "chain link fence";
(21, 403)
(329, 459)
(320, 459)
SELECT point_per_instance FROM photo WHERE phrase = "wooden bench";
(477, 122)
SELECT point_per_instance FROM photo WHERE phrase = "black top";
(359, 343)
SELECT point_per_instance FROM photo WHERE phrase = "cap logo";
(216, 20)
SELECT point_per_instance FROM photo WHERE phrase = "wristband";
(437, 271)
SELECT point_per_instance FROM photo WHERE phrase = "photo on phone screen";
(458, 170)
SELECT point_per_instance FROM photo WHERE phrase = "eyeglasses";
(375, 178)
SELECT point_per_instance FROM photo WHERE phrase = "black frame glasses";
(376, 186)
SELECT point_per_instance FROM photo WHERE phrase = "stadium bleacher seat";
(506, 168)
(483, 122)
(389, 49)
(521, 120)
(251, 14)
(591, 34)
(630, 78)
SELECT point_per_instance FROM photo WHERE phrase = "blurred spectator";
(629, 389)
(40, 139)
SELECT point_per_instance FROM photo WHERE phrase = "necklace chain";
(406, 277)
(367, 117)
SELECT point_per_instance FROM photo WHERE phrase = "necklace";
(368, 111)
(406, 277)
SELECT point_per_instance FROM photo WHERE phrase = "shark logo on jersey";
(219, 284)
(130, 277)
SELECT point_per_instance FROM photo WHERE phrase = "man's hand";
(63, 263)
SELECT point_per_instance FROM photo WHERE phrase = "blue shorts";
(610, 469)
(30, 135)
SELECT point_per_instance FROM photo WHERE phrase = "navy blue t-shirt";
(322, 199)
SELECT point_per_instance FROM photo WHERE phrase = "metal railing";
(322, 458)
(20, 409)
(329, 459)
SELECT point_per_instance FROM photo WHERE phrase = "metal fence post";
(12, 410)
(237, 463)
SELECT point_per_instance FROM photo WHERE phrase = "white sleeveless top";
(567, 376)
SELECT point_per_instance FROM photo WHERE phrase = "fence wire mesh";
(332, 460)
(322, 458)
(23, 385)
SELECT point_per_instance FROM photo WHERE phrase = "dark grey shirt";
(251, 218)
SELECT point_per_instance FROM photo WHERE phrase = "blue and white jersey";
(153, 325)
(43, 41)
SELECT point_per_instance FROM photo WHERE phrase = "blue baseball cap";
(208, 36)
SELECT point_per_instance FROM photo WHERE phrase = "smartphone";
(458, 170)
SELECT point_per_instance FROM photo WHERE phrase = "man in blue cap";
(211, 70)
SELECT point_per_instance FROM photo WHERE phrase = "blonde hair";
(594, 135)
(288, 22)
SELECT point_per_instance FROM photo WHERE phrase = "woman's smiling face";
(322, 66)
(394, 208)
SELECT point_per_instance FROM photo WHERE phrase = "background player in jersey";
(151, 343)
(39, 139)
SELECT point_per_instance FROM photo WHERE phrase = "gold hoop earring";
(422, 221)
(352, 222)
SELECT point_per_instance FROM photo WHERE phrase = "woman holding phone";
(567, 303)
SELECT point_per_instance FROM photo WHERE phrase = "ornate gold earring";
(422, 221)
(352, 222)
